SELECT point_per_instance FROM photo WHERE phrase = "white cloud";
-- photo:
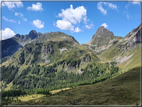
(12, 4)
(7, 33)
(101, 8)
(72, 17)
(89, 26)
(37, 23)
(36, 7)
(105, 25)
(20, 15)
(9, 20)
(64, 25)
(112, 6)
(77, 29)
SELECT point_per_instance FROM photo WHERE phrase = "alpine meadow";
(71, 53)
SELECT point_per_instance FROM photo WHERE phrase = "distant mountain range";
(102, 40)
(10, 46)
(56, 58)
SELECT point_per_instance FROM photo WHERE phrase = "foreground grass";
(30, 97)
(122, 90)
(59, 90)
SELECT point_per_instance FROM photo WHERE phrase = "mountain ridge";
(56, 60)
(20, 41)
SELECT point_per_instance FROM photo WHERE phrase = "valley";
(105, 71)
(122, 90)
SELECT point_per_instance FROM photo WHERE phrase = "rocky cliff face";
(33, 34)
(47, 48)
(134, 37)
(103, 39)
(102, 31)
(131, 40)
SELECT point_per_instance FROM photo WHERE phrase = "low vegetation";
(122, 90)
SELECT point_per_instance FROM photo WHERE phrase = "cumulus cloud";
(7, 33)
(12, 4)
(38, 23)
(105, 25)
(89, 26)
(36, 7)
(72, 17)
(20, 15)
(9, 20)
(64, 25)
(101, 8)
(77, 29)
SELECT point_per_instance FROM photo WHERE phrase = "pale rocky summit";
(103, 39)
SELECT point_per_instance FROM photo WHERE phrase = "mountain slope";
(122, 90)
(127, 52)
(54, 60)
(24, 39)
(12, 45)
(48, 46)
(9, 47)
(55, 36)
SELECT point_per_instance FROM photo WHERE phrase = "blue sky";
(78, 19)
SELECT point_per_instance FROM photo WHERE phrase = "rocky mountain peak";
(17, 35)
(102, 30)
(103, 39)
(33, 33)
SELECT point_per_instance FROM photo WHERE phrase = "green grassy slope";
(133, 61)
(78, 65)
(55, 36)
(110, 53)
(122, 90)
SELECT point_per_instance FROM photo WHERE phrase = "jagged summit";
(32, 32)
(103, 39)
(17, 35)
(101, 30)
